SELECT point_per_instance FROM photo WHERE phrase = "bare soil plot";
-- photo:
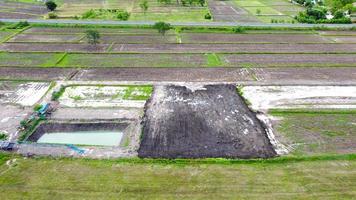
(10, 117)
(342, 39)
(242, 48)
(339, 33)
(263, 98)
(310, 75)
(252, 38)
(141, 39)
(45, 38)
(25, 94)
(165, 74)
(73, 30)
(269, 60)
(28, 59)
(19, 10)
(5, 34)
(52, 47)
(30, 73)
(317, 132)
(133, 60)
(96, 113)
(198, 122)
(227, 11)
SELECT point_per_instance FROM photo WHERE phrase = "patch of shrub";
(52, 15)
(19, 25)
(3, 136)
(106, 14)
(37, 107)
(57, 94)
(207, 16)
(238, 29)
(51, 5)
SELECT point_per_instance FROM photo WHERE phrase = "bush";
(37, 107)
(19, 25)
(106, 13)
(57, 94)
(207, 16)
(92, 36)
(52, 15)
(162, 27)
(51, 5)
(238, 29)
(3, 136)
(123, 15)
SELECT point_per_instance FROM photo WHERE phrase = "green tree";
(51, 5)
(144, 6)
(92, 36)
(162, 27)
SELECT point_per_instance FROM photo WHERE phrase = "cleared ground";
(201, 122)
(104, 179)
(21, 10)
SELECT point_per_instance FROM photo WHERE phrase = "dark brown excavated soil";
(211, 121)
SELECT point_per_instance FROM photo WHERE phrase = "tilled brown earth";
(183, 48)
(30, 73)
(269, 76)
(200, 122)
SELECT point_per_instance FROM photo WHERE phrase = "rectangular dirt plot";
(266, 60)
(133, 60)
(251, 38)
(45, 38)
(28, 59)
(109, 38)
(52, 47)
(202, 121)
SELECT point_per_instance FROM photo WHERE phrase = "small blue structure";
(43, 109)
(74, 148)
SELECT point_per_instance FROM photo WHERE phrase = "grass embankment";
(313, 132)
(318, 178)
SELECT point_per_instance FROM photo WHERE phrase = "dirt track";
(211, 121)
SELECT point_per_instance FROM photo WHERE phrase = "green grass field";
(317, 132)
(46, 178)
(279, 11)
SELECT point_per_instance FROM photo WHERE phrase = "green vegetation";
(317, 131)
(317, 14)
(144, 6)
(118, 14)
(28, 126)
(137, 93)
(92, 36)
(213, 60)
(51, 5)
(282, 178)
(3, 136)
(162, 27)
(57, 94)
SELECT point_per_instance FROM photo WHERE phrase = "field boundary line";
(60, 59)
(108, 50)
(14, 34)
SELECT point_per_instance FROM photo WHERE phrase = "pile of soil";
(210, 121)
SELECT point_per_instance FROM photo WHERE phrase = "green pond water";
(102, 138)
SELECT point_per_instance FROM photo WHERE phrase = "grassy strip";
(61, 58)
(198, 28)
(311, 111)
(110, 47)
(216, 161)
(213, 60)
(14, 34)
(28, 131)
